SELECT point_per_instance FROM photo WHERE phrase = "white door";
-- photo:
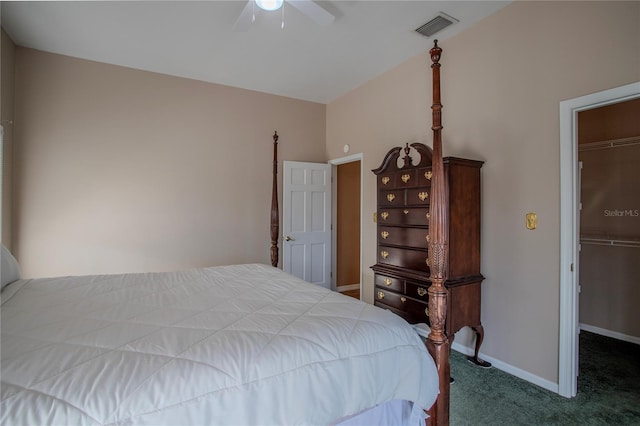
(306, 221)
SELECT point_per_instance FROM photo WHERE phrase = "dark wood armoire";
(401, 273)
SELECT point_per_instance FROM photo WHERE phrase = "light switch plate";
(532, 220)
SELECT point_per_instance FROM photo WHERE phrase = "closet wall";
(609, 149)
(348, 224)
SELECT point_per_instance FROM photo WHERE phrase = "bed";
(226, 345)
(237, 344)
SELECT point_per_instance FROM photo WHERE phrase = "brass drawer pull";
(384, 235)
(405, 178)
(385, 180)
(426, 311)
(387, 281)
(391, 197)
(421, 291)
(428, 216)
(380, 295)
(403, 299)
(427, 237)
(384, 215)
(423, 195)
(428, 262)
(405, 211)
(428, 175)
(384, 254)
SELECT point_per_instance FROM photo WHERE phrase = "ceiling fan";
(307, 7)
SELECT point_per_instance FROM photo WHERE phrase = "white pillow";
(9, 268)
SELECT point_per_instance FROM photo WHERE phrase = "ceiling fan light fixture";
(269, 5)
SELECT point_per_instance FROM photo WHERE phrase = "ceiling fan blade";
(244, 21)
(313, 11)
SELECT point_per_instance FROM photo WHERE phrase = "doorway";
(609, 255)
(570, 228)
(609, 154)
(347, 229)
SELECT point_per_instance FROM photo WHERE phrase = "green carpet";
(608, 391)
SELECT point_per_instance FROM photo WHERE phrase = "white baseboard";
(609, 333)
(348, 287)
(507, 368)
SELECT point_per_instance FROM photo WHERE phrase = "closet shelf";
(610, 242)
(613, 143)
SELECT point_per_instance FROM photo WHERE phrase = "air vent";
(438, 23)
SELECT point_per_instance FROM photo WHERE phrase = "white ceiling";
(196, 39)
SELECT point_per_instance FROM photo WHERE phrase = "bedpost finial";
(275, 136)
(435, 54)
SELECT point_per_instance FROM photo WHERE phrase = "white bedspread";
(230, 345)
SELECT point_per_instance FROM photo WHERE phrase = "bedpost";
(275, 215)
(437, 342)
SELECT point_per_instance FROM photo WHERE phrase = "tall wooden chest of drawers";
(401, 273)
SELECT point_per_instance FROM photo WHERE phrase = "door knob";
(288, 238)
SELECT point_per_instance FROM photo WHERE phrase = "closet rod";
(611, 243)
(613, 143)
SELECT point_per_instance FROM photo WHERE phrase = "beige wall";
(502, 83)
(122, 170)
(7, 63)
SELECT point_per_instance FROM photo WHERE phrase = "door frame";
(335, 163)
(569, 231)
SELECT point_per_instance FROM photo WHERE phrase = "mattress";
(228, 345)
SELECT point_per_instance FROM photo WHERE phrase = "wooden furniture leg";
(479, 330)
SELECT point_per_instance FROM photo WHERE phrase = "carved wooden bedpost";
(437, 342)
(275, 215)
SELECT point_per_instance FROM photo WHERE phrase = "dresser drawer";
(389, 283)
(395, 311)
(414, 309)
(394, 197)
(417, 291)
(410, 216)
(406, 179)
(411, 237)
(424, 177)
(386, 181)
(418, 196)
(403, 258)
